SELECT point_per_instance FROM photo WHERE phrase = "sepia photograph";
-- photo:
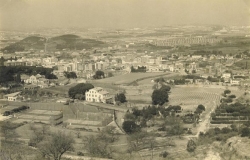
(124, 79)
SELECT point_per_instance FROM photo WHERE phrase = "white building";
(97, 94)
(226, 75)
(12, 96)
(235, 82)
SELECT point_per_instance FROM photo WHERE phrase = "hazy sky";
(25, 14)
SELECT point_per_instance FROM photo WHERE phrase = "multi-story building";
(15, 63)
(97, 94)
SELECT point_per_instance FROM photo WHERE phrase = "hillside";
(70, 41)
(55, 43)
(32, 42)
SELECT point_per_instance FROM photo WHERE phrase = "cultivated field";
(130, 77)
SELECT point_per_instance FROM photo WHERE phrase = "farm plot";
(130, 77)
(188, 96)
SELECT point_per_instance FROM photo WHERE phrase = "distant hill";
(32, 42)
(68, 41)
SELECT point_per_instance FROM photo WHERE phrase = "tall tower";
(45, 45)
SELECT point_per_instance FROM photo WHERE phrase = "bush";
(191, 146)
(227, 91)
(130, 127)
(164, 154)
(201, 107)
(245, 132)
(80, 154)
(232, 96)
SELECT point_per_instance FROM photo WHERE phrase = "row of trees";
(8, 73)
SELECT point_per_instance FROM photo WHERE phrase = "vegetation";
(120, 97)
(191, 146)
(227, 91)
(130, 127)
(7, 73)
(15, 110)
(79, 90)
(159, 97)
(100, 145)
(217, 134)
(56, 145)
(74, 42)
(99, 75)
(70, 75)
(139, 69)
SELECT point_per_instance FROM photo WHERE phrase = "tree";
(80, 88)
(56, 145)
(120, 97)
(110, 74)
(176, 129)
(165, 88)
(159, 97)
(245, 132)
(130, 127)
(8, 130)
(18, 78)
(201, 107)
(50, 76)
(70, 75)
(227, 91)
(99, 75)
(191, 146)
(98, 147)
(108, 133)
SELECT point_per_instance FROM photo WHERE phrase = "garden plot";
(192, 96)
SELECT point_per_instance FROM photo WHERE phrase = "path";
(106, 106)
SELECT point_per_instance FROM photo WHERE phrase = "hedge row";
(226, 122)
(15, 110)
(228, 118)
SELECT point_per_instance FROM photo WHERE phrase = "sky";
(34, 14)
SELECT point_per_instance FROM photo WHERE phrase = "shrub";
(164, 154)
(191, 146)
(80, 154)
(227, 91)
(232, 96)
(245, 132)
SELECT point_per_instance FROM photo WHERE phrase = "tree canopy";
(120, 97)
(99, 75)
(70, 75)
(159, 97)
(130, 127)
(56, 145)
(80, 90)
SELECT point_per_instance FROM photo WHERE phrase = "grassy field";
(130, 77)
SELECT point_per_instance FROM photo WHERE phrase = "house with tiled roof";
(97, 94)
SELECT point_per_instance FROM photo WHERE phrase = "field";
(129, 78)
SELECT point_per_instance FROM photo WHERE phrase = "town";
(152, 92)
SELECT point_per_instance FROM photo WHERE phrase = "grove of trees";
(8, 73)
(79, 90)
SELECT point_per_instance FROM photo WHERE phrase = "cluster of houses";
(96, 94)
(186, 41)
